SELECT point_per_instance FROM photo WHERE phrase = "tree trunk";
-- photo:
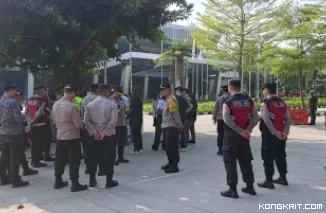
(172, 73)
(301, 90)
(179, 81)
(314, 80)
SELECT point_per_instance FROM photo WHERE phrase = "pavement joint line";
(157, 178)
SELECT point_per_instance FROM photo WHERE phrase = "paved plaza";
(196, 189)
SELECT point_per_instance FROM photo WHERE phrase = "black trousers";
(312, 112)
(171, 140)
(39, 136)
(12, 150)
(158, 132)
(85, 138)
(136, 135)
(220, 133)
(236, 148)
(273, 149)
(102, 152)
(48, 141)
(67, 152)
(121, 136)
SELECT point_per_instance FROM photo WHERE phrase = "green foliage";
(67, 37)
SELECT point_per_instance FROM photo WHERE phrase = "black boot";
(5, 180)
(92, 181)
(20, 184)
(266, 184)
(49, 158)
(230, 193)
(249, 189)
(192, 141)
(164, 167)
(172, 169)
(39, 164)
(28, 171)
(77, 187)
(59, 183)
(116, 163)
(219, 152)
(281, 181)
(110, 183)
(123, 160)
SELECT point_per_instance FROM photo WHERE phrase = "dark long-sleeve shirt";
(136, 111)
(11, 118)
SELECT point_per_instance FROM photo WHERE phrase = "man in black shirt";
(191, 116)
(183, 106)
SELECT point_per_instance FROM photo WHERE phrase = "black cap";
(179, 89)
(70, 88)
(165, 86)
(270, 86)
(41, 86)
(185, 89)
(9, 87)
(104, 86)
(19, 94)
(118, 89)
(93, 86)
(59, 88)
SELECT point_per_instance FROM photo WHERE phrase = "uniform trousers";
(190, 127)
(171, 140)
(102, 152)
(137, 136)
(121, 136)
(220, 134)
(158, 131)
(68, 152)
(48, 141)
(12, 151)
(273, 149)
(312, 112)
(39, 135)
(235, 147)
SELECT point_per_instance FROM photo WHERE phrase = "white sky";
(198, 7)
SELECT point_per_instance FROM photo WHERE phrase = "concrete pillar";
(30, 84)
(126, 71)
(95, 78)
(145, 88)
(219, 83)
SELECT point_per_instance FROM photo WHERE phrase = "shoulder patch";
(172, 105)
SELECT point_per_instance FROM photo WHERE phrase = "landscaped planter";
(299, 116)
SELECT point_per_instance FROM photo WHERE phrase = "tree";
(299, 50)
(230, 30)
(66, 37)
(176, 57)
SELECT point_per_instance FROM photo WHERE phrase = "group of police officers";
(102, 122)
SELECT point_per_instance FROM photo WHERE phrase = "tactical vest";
(32, 106)
(277, 110)
(240, 106)
(78, 101)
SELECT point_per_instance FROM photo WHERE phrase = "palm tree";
(175, 57)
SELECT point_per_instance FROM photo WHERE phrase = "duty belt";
(39, 124)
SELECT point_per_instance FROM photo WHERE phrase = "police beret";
(185, 89)
(179, 89)
(104, 86)
(9, 87)
(165, 86)
(70, 88)
(41, 86)
(270, 86)
(93, 86)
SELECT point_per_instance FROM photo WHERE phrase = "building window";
(168, 32)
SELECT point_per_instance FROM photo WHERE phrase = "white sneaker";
(134, 153)
(141, 151)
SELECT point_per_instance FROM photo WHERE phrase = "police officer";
(37, 115)
(171, 127)
(59, 92)
(240, 117)
(11, 138)
(182, 109)
(121, 128)
(91, 96)
(191, 116)
(69, 123)
(274, 127)
(27, 171)
(218, 117)
(101, 116)
(313, 101)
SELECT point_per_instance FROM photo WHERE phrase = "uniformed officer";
(171, 127)
(218, 117)
(27, 171)
(182, 109)
(240, 117)
(11, 138)
(38, 118)
(101, 116)
(121, 128)
(91, 96)
(68, 151)
(78, 101)
(274, 127)
(191, 116)
(313, 102)
(59, 92)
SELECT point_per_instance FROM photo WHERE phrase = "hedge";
(207, 106)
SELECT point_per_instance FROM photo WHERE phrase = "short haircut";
(271, 91)
(235, 84)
